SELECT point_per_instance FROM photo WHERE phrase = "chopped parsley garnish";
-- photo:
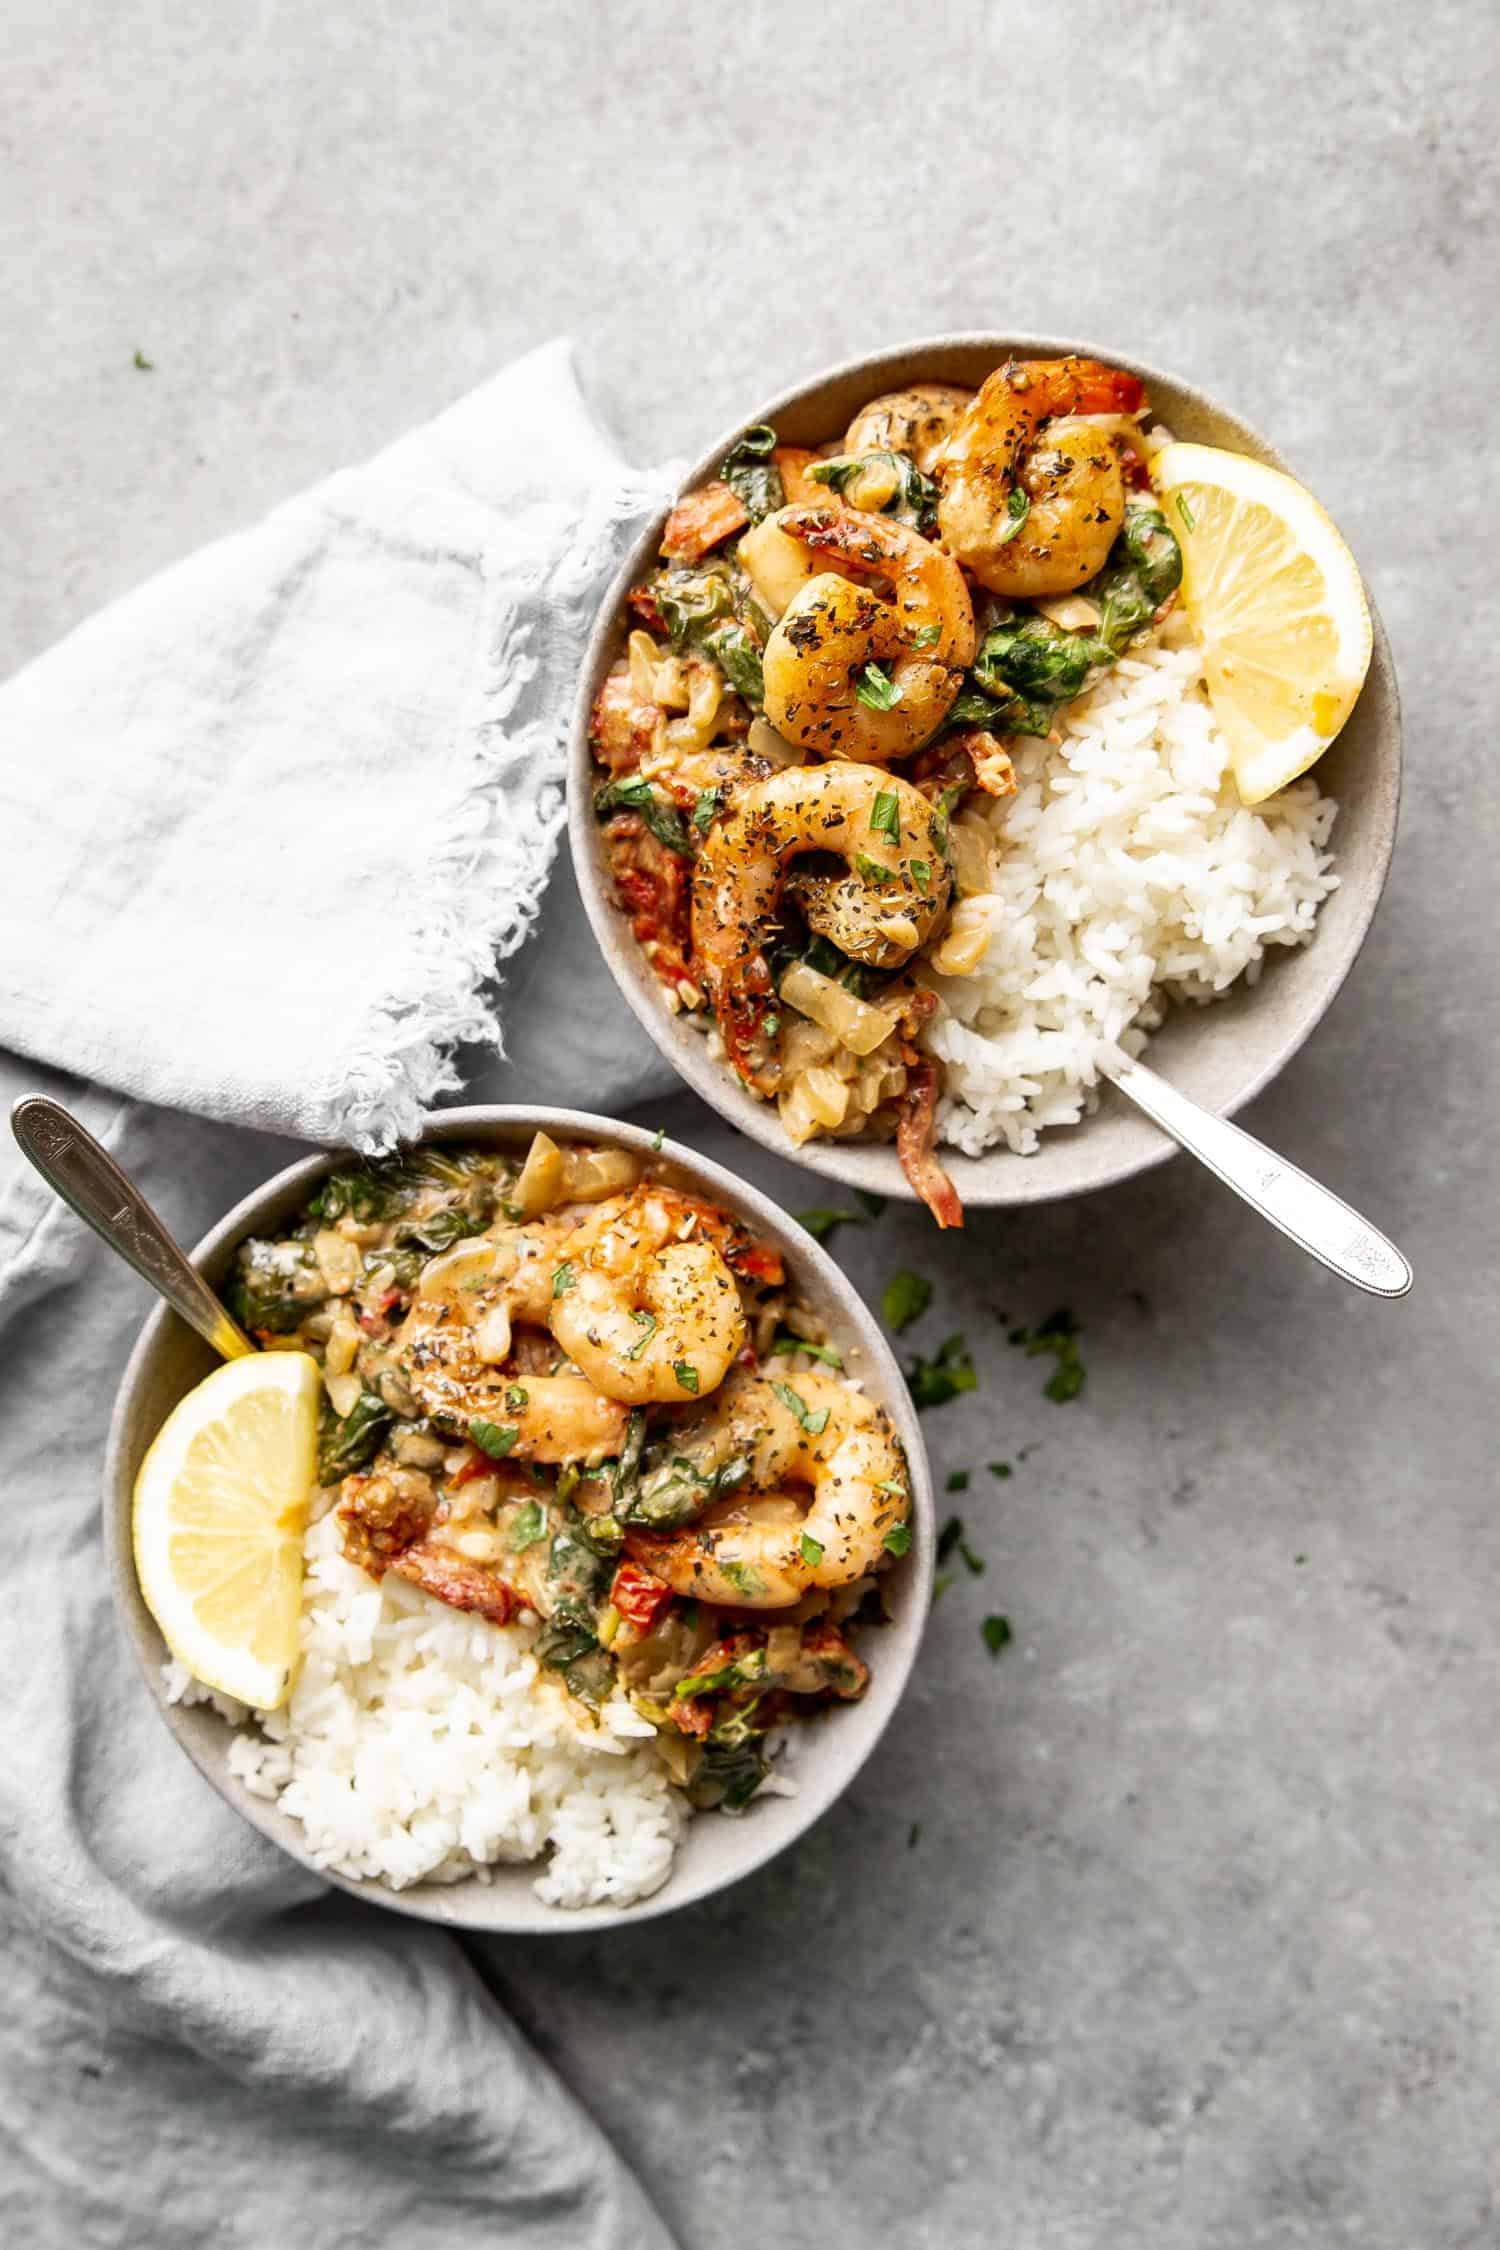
(949, 1537)
(527, 1527)
(1000, 1469)
(940, 1587)
(885, 814)
(704, 808)
(874, 1205)
(996, 1631)
(897, 1540)
(1017, 509)
(658, 1138)
(814, 1421)
(932, 1382)
(927, 636)
(494, 1438)
(889, 1484)
(742, 1578)
(958, 1482)
(650, 1323)
(921, 873)
(905, 1298)
(876, 689)
(872, 871)
(821, 1224)
(786, 1345)
(973, 1563)
(564, 1278)
(516, 1399)
(812, 1552)
(1058, 1334)
(913, 1835)
(1186, 513)
(144, 364)
(687, 1375)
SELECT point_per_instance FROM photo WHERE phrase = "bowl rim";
(899, 1643)
(871, 1165)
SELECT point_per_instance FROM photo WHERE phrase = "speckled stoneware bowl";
(717, 1850)
(1220, 1055)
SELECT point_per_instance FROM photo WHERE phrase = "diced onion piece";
(783, 1647)
(479, 1546)
(468, 1265)
(342, 1391)
(964, 943)
(492, 1334)
(1073, 613)
(969, 851)
(804, 1045)
(872, 486)
(670, 688)
(764, 742)
(591, 1174)
(643, 653)
(541, 1181)
(827, 1096)
(342, 1345)
(778, 567)
(705, 694)
(339, 1261)
(796, 1113)
(855, 1022)
(418, 1449)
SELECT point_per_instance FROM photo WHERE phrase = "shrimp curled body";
(918, 421)
(648, 1319)
(1031, 502)
(895, 890)
(920, 634)
(759, 1549)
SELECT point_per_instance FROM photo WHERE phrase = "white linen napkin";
(271, 820)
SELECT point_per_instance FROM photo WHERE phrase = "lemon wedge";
(220, 1512)
(1276, 602)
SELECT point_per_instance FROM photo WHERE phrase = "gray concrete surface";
(1174, 1927)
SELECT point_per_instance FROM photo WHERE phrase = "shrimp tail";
(914, 1136)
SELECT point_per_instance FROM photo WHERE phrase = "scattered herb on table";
(872, 1205)
(997, 1634)
(932, 1382)
(1058, 1334)
(913, 1835)
(958, 1481)
(822, 1224)
(905, 1298)
(949, 1537)
(147, 366)
(1000, 1469)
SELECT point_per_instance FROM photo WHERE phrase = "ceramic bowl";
(1221, 1055)
(716, 1851)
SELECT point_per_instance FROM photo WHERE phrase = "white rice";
(1129, 875)
(421, 1745)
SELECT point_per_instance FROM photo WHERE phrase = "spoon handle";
(87, 1177)
(1325, 1227)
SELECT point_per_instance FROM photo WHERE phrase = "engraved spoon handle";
(87, 1177)
(1319, 1221)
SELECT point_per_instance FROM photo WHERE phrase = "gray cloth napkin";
(199, 2042)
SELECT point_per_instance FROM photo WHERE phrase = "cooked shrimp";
(1031, 501)
(898, 881)
(456, 1341)
(759, 1549)
(918, 421)
(648, 1318)
(819, 691)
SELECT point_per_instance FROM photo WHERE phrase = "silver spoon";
(87, 1177)
(1316, 1219)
